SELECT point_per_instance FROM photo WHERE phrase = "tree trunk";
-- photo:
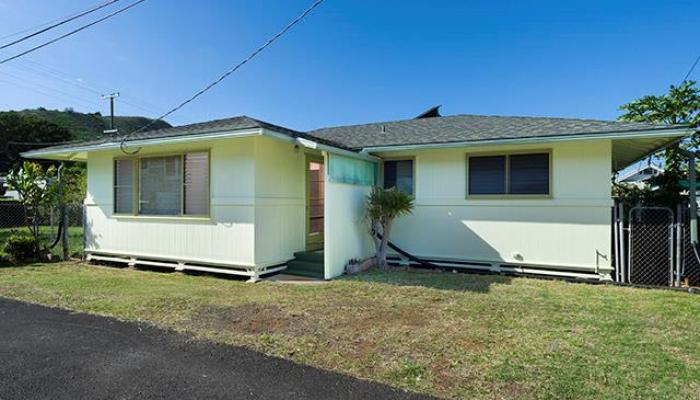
(384, 247)
(374, 231)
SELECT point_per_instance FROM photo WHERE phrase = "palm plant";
(383, 207)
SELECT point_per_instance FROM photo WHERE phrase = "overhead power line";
(690, 71)
(59, 23)
(31, 28)
(121, 10)
(63, 77)
(42, 89)
(226, 74)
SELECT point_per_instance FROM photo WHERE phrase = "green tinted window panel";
(352, 171)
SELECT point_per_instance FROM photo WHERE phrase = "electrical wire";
(22, 81)
(59, 23)
(222, 77)
(690, 71)
(121, 10)
(62, 95)
(31, 28)
(67, 79)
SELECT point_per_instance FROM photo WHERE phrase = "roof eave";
(307, 142)
(679, 132)
(78, 153)
(51, 153)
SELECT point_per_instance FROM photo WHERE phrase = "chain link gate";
(651, 246)
(688, 265)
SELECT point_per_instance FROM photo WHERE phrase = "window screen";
(196, 183)
(529, 174)
(124, 186)
(399, 174)
(160, 185)
(487, 175)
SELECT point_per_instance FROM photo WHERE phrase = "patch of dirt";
(510, 390)
(249, 318)
(363, 319)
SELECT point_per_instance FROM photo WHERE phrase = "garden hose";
(408, 255)
(58, 236)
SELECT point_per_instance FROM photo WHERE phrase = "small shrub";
(20, 248)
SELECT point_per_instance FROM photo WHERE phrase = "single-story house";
(247, 197)
(640, 174)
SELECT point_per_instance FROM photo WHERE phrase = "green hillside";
(91, 126)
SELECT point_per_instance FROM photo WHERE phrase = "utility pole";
(111, 98)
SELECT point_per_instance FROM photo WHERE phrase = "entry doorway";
(315, 176)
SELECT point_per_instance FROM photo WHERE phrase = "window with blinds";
(510, 174)
(196, 190)
(167, 185)
(399, 174)
(124, 186)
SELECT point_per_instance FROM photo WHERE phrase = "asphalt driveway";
(48, 353)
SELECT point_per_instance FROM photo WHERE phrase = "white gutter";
(533, 140)
(318, 146)
(143, 142)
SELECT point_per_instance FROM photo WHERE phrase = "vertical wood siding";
(345, 228)
(570, 229)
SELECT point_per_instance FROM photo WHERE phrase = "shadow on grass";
(4, 264)
(434, 279)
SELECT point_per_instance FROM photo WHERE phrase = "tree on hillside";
(681, 105)
(15, 127)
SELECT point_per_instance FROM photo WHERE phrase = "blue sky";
(355, 61)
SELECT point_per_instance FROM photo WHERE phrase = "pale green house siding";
(570, 229)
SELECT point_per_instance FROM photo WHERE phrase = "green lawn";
(47, 236)
(449, 335)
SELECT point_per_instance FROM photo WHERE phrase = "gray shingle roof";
(457, 128)
(220, 125)
(462, 128)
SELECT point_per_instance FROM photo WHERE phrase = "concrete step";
(312, 256)
(305, 268)
(306, 274)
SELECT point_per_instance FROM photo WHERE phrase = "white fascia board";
(143, 142)
(318, 146)
(534, 140)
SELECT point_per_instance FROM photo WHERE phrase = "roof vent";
(430, 113)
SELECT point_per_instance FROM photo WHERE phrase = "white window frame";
(136, 191)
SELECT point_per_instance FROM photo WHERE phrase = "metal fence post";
(624, 261)
(84, 223)
(64, 232)
(616, 241)
(679, 244)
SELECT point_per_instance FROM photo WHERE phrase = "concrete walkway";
(52, 354)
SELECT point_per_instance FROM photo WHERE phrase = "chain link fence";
(689, 264)
(653, 247)
(16, 219)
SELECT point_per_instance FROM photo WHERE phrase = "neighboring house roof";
(470, 128)
(642, 173)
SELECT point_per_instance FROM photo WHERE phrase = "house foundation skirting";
(253, 272)
(505, 268)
